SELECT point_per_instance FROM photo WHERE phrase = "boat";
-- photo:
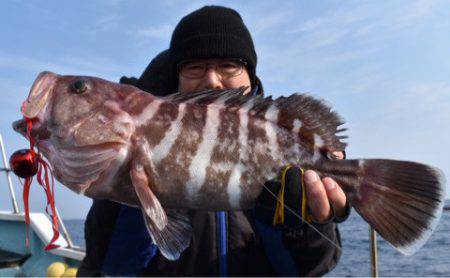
(18, 259)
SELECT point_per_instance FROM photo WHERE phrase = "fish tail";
(401, 200)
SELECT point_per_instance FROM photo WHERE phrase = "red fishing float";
(26, 163)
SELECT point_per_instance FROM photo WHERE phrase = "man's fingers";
(339, 155)
(317, 197)
(336, 196)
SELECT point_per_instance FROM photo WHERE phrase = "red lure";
(25, 164)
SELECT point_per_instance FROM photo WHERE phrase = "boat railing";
(15, 206)
(7, 170)
(373, 252)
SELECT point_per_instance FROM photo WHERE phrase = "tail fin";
(401, 200)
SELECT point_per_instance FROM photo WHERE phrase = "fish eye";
(79, 86)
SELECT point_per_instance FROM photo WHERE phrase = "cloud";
(64, 65)
(348, 39)
(361, 25)
(414, 119)
(162, 32)
(261, 24)
(427, 103)
(414, 13)
(381, 25)
(11, 90)
(333, 19)
(106, 22)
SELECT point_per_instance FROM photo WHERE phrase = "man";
(212, 49)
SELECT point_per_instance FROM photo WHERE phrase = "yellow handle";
(278, 217)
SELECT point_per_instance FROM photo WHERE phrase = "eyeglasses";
(197, 69)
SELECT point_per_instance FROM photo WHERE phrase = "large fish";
(213, 150)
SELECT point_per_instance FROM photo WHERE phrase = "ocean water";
(432, 260)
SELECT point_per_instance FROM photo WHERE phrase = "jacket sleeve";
(315, 248)
(298, 250)
(307, 249)
(313, 254)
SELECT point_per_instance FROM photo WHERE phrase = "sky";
(383, 65)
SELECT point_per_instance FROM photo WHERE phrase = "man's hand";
(321, 193)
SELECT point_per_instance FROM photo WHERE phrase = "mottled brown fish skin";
(229, 142)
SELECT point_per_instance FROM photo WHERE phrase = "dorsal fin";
(309, 118)
(208, 96)
(312, 120)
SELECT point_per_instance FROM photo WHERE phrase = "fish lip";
(38, 131)
(39, 93)
(20, 126)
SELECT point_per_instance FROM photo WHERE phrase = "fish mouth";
(33, 108)
(20, 126)
(39, 94)
(38, 131)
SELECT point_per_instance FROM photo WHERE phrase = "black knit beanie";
(212, 32)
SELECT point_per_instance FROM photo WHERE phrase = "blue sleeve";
(272, 237)
(299, 250)
(131, 248)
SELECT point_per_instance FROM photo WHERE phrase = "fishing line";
(304, 221)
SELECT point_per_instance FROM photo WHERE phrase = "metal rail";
(64, 230)
(7, 170)
(373, 253)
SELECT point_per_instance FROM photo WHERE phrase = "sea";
(433, 259)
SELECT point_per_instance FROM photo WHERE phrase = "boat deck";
(10, 259)
(17, 259)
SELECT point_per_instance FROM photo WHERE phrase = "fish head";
(79, 125)
(58, 105)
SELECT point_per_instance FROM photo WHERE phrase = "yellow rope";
(305, 215)
(278, 217)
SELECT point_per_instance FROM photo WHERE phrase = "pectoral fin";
(175, 237)
(150, 204)
(171, 232)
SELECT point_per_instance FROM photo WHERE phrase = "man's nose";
(212, 80)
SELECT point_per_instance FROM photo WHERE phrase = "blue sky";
(383, 65)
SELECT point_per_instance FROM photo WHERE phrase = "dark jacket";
(253, 246)
(248, 253)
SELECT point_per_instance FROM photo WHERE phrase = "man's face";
(204, 74)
